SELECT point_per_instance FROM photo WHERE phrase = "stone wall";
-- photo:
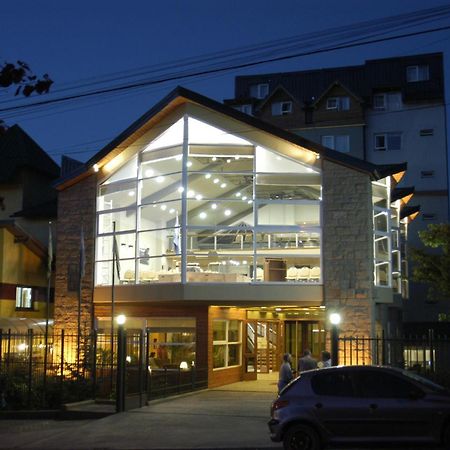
(76, 207)
(348, 248)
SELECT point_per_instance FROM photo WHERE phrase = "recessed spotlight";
(309, 169)
(154, 206)
(171, 210)
(214, 158)
(244, 198)
(149, 173)
(223, 185)
(189, 164)
(179, 157)
(208, 176)
(163, 207)
(279, 158)
(249, 202)
(278, 309)
(180, 189)
(199, 196)
(317, 156)
(160, 179)
(191, 193)
(216, 180)
(228, 161)
(244, 262)
(227, 212)
(214, 206)
(131, 193)
(236, 157)
(202, 215)
(238, 194)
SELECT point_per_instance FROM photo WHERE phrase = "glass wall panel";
(161, 188)
(288, 268)
(164, 269)
(230, 239)
(288, 187)
(382, 274)
(103, 272)
(160, 215)
(381, 221)
(220, 186)
(126, 172)
(220, 158)
(303, 239)
(117, 195)
(170, 137)
(219, 213)
(125, 221)
(126, 246)
(288, 214)
(219, 268)
(159, 242)
(203, 133)
(270, 161)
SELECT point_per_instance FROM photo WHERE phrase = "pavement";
(232, 417)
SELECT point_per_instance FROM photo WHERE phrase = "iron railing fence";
(83, 368)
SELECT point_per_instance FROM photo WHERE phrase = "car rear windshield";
(425, 381)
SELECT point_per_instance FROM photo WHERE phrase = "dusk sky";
(82, 42)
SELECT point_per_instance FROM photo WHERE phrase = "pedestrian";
(325, 359)
(306, 362)
(285, 374)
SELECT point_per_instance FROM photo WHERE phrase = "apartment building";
(235, 239)
(384, 111)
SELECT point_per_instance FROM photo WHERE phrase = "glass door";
(250, 351)
(268, 336)
(302, 335)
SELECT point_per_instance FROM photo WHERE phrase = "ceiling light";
(154, 206)
(180, 189)
(244, 262)
(149, 173)
(279, 158)
(214, 206)
(227, 212)
(171, 210)
(214, 158)
(278, 309)
(202, 215)
(236, 157)
(96, 168)
(163, 207)
(238, 194)
(216, 180)
(189, 164)
(228, 161)
(244, 198)
(223, 185)
(191, 193)
(199, 196)
(179, 157)
(160, 179)
(208, 176)
(249, 202)
(131, 193)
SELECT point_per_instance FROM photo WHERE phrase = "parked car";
(360, 405)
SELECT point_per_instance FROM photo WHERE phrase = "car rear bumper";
(275, 430)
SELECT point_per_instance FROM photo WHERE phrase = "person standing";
(325, 359)
(306, 362)
(285, 374)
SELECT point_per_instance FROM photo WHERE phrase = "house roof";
(399, 193)
(182, 95)
(363, 80)
(45, 210)
(408, 211)
(18, 150)
(331, 86)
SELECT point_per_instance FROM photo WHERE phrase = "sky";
(81, 42)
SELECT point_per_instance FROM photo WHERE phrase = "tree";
(23, 79)
(432, 263)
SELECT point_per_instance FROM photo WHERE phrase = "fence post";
(141, 362)
(1, 347)
(121, 355)
(30, 365)
(94, 363)
(147, 363)
(431, 344)
(8, 350)
(62, 360)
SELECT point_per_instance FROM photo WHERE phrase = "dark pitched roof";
(407, 211)
(20, 235)
(18, 150)
(374, 75)
(399, 193)
(46, 210)
(373, 170)
(69, 165)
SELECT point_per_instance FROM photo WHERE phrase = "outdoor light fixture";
(121, 319)
(96, 168)
(22, 347)
(184, 365)
(335, 318)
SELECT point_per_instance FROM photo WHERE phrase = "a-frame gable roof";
(180, 96)
(279, 88)
(18, 150)
(330, 87)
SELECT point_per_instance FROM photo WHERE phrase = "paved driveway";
(214, 419)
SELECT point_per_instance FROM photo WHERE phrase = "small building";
(27, 204)
(234, 240)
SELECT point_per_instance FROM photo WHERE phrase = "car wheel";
(301, 437)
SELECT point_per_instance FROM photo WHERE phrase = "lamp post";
(335, 320)
(121, 358)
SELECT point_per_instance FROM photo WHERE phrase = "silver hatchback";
(360, 405)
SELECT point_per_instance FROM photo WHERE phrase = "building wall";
(348, 260)
(76, 207)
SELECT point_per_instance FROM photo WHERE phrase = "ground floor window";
(24, 297)
(227, 342)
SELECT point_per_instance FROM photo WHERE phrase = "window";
(391, 101)
(379, 101)
(388, 141)
(246, 109)
(259, 90)
(341, 143)
(226, 343)
(427, 174)
(338, 103)
(427, 132)
(24, 298)
(373, 384)
(337, 384)
(281, 108)
(417, 73)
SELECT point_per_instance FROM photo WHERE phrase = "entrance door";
(268, 346)
(250, 351)
(302, 335)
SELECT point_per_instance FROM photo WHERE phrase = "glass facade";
(200, 204)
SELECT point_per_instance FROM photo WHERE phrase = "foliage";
(432, 263)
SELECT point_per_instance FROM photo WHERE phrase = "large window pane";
(171, 137)
(125, 220)
(220, 158)
(125, 243)
(202, 133)
(117, 195)
(305, 240)
(288, 187)
(219, 213)
(159, 242)
(220, 186)
(127, 171)
(381, 221)
(234, 331)
(162, 187)
(219, 240)
(219, 330)
(219, 268)
(269, 161)
(288, 214)
(103, 272)
(219, 352)
(234, 353)
(160, 215)
(165, 269)
(288, 268)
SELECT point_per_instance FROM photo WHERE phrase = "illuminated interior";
(200, 204)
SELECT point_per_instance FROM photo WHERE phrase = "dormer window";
(281, 108)
(391, 101)
(259, 90)
(338, 103)
(417, 73)
(246, 109)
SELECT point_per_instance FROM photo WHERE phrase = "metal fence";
(77, 368)
(427, 354)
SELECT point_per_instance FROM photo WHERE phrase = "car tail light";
(278, 404)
